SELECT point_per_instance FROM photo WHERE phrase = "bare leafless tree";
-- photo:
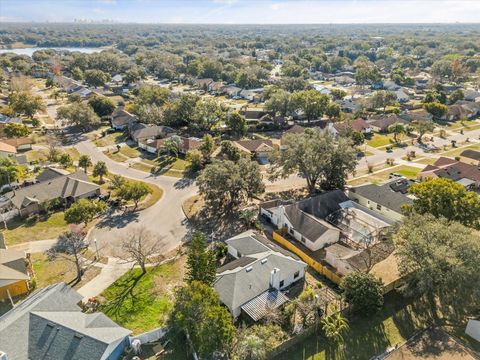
(70, 246)
(140, 246)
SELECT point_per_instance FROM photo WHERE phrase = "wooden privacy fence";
(314, 264)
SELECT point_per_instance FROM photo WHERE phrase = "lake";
(31, 50)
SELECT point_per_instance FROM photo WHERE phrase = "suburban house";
(335, 235)
(462, 110)
(7, 150)
(402, 96)
(203, 83)
(258, 148)
(14, 273)
(141, 132)
(385, 199)
(463, 173)
(258, 277)
(416, 115)
(358, 125)
(154, 146)
(349, 105)
(122, 118)
(382, 122)
(314, 232)
(50, 324)
(68, 188)
(470, 156)
(471, 95)
(216, 87)
(232, 91)
(67, 84)
(4, 120)
(20, 144)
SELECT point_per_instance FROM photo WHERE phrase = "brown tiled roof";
(17, 142)
(4, 147)
(356, 125)
(254, 145)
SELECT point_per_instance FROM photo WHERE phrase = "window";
(379, 207)
(291, 231)
(281, 283)
(303, 240)
(239, 254)
(296, 275)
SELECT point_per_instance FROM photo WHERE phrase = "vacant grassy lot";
(142, 303)
(50, 272)
(20, 231)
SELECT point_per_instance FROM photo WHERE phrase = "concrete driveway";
(165, 219)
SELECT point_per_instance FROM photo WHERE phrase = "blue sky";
(243, 11)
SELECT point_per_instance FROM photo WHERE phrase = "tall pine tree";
(201, 263)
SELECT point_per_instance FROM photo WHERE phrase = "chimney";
(275, 279)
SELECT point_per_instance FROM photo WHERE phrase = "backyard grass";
(20, 230)
(165, 165)
(49, 272)
(367, 337)
(142, 303)
(74, 154)
(36, 155)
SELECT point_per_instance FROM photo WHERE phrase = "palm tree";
(100, 170)
(84, 162)
(334, 326)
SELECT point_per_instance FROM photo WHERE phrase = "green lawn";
(23, 231)
(142, 303)
(379, 140)
(115, 156)
(110, 139)
(383, 176)
(368, 336)
(130, 152)
(49, 272)
(457, 152)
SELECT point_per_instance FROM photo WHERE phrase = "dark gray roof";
(50, 173)
(324, 204)
(64, 186)
(50, 325)
(471, 154)
(240, 262)
(306, 224)
(255, 243)
(383, 195)
(236, 286)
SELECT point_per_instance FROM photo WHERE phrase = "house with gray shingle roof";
(68, 188)
(257, 279)
(50, 324)
(14, 274)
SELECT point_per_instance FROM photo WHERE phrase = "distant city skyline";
(242, 11)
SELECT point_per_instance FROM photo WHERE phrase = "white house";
(256, 280)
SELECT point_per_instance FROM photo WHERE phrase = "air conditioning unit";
(3, 356)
